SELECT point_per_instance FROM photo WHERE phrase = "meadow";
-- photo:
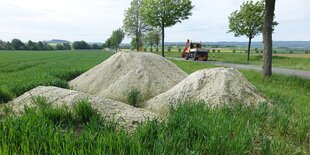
(296, 61)
(283, 128)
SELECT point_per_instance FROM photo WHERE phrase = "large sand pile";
(125, 115)
(151, 74)
(216, 87)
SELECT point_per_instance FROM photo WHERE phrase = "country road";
(299, 73)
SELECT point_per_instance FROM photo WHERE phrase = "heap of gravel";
(126, 115)
(149, 73)
(216, 87)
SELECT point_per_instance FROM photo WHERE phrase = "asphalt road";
(300, 73)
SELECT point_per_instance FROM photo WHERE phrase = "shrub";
(133, 97)
(218, 51)
(234, 51)
(291, 52)
(274, 51)
(179, 50)
(213, 50)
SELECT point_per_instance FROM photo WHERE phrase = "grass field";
(21, 71)
(294, 62)
(193, 128)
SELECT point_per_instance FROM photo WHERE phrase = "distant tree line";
(17, 44)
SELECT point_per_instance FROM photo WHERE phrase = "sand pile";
(125, 115)
(216, 87)
(151, 74)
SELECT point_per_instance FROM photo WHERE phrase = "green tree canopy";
(248, 21)
(134, 26)
(80, 45)
(153, 38)
(165, 13)
(18, 45)
(116, 39)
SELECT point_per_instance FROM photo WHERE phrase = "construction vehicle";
(194, 50)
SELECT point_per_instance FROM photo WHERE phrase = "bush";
(169, 49)
(213, 50)
(274, 51)
(6, 94)
(218, 51)
(179, 50)
(234, 51)
(133, 97)
(291, 52)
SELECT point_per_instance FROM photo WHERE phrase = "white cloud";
(94, 20)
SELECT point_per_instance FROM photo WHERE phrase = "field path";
(300, 73)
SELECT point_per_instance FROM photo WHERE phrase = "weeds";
(134, 97)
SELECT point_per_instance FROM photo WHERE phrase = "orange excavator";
(194, 50)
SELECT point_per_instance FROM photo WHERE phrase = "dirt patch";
(127, 116)
(216, 87)
(149, 73)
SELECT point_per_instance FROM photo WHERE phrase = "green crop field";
(283, 128)
(21, 71)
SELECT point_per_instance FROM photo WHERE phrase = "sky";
(94, 20)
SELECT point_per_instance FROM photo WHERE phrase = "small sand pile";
(125, 115)
(217, 87)
(149, 73)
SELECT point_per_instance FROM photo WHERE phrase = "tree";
(67, 46)
(165, 13)
(17, 44)
(40, 45)
(267, 36)
(32, 45)
(153, 38)
(2, 45)
(247, 21)
(60, 47)
(80, 45)
(115, 39)
(134, 26)
(134, 44)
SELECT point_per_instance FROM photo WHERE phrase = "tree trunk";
(163, 40)
(137, 43)
(267, 37)
(249, 49)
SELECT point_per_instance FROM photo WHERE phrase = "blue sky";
(94, 20)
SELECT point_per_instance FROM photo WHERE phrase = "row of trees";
(145, 20)
(252, 19)
(17, 44)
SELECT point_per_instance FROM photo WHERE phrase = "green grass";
(192, 128)
(255, 59)
(21, 71)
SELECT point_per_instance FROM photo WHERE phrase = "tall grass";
(192, 128)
